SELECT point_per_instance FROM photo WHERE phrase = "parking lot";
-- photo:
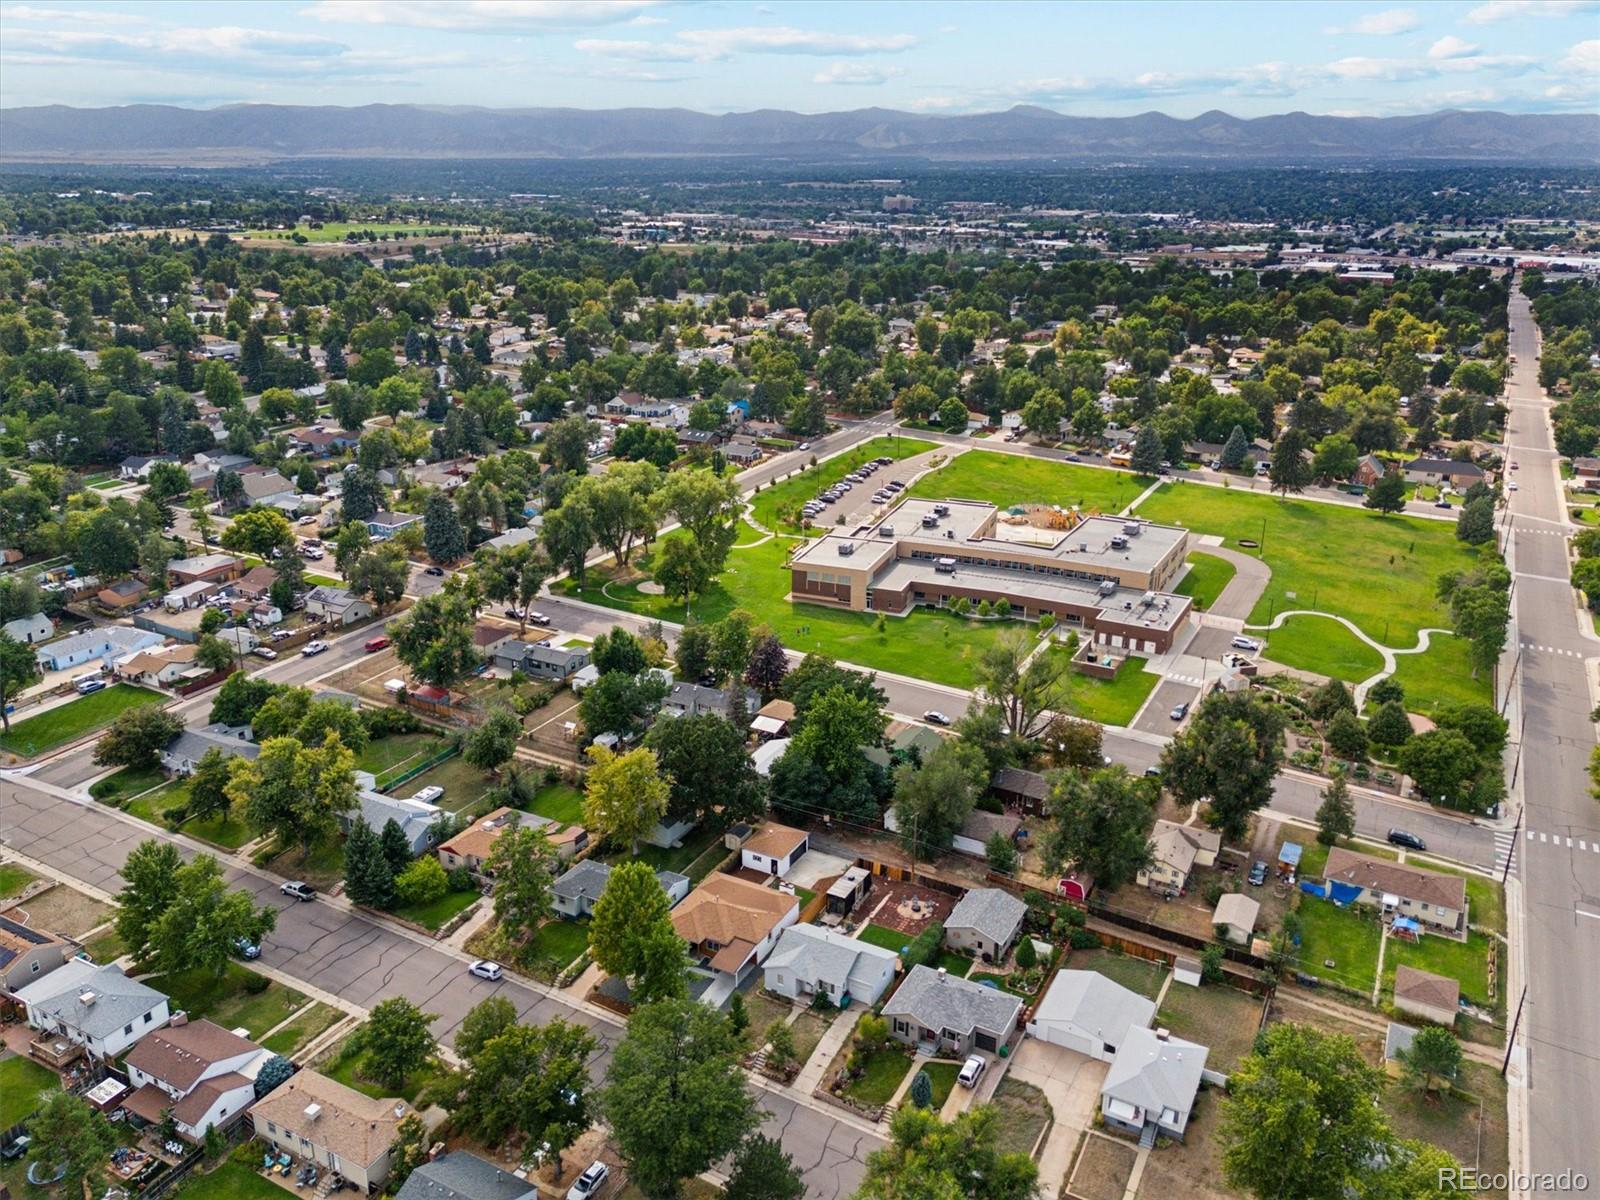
(1157, 714)
(853, 496)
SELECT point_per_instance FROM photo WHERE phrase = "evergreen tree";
(1234, 449)
(1146, 450)
(1475, 523)
(443, 536)
(368, 875)
(1389, 725)
(1388, 495)
(1336, 815)
(396, 849)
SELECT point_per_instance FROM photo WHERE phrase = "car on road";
(312, 649)
(373, 645)
(1244, 643)
(1441, 503)
(589, 1184)
(1258, 873)
(1514, 466)
(429, 794)
(1401, 837)
(246, 949)
(1181, 711)
(266, 652)
(484, 969)
(433, 570)
(934, 717)
(1152, 772)
(971, 1071)
(538, 618)
(299, 890)
(1074, 458)
(1512, 485)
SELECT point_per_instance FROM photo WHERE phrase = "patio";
(905, 907)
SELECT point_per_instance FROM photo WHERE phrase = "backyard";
(236, 999)
(699, 843)
(231, 1181)
(463, 784)
(1006, 479)
(1466, 962)
(1219, 1017)
(1338, 944)
(1206, 577)
(893, 939)
(1469, 1122)
(560, 803)
(387, 757)
(21, 1081)
(1135, 974)
(72, 720)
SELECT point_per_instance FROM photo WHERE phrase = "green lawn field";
(797, 489)
(227, 1000)
(1322, 645)
(21, 1081)
(70, 721)
(1346, 937)
(1205, 579)
(231, 1181)
(1466, 962)
(1378, 571)
(1441, 675)
(1109, 701)
(559, 803)
(1007, 479)
(337, 231)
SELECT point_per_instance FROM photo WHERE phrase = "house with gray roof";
(417, 819)
(104, 642)
(189, 747)
(1086, 1012)
(574, 894)
(462, 1176)
(337, 604)
(691, 699)
(985, 922)
(812, 961)
(541, 662)
(97, 1008)
(1151, 1085)
(951, 1014)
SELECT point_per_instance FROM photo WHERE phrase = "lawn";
(943, 1077)
(1467, 962)
(21, 1081)
(695, 843)
(1486, 899)
(1024, 1112)
(12, 880)
(1452, 1122)
(1347, 938)
(130, 781)
(323, 868)
(70, 721)
(337, 231)
(1135, 974)
(1378, 571)
(560, 802)
(1323, 646)
(1441, 675)
(797, 489)
(392, 754)
(893, 939)
(230, 1181)
(1206, 577)
(348, 1065)
(1219, 1017)
(1006, 479)
(463, 784)
(225, 830)
(884, 1070)
(300, 1031)
(556, 944)
(1108, 701)
(228, 1001)
(104, 947)
(436, 913)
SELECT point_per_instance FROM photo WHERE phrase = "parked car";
(1152, 772)
(538, 618)
(312, 649)
(1400, 837)
(246, 949)
(373, 645)
(429, 794)
(266, 652)
(971, 1071)
(279, 634)
(308, 519)
(1244, 643)
(1181, 711)
(85, 686)
(934, 717)
(594, 1177)
(433, 571)
(1441, 503)
(1512, 485)
(299, 890)
(1258, 873)
(484, 969)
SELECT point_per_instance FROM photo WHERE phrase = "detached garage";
(1086, 1012)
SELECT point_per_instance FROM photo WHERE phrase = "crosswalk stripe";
(1582, 845)
(1541, 837)
(1530, 835)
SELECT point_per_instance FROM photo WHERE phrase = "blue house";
(384, 525)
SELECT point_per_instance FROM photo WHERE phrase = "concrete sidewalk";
(810, 1076)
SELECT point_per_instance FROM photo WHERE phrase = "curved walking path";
(1250, 579)
(1424, 637)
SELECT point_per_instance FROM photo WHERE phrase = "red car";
(377, 643)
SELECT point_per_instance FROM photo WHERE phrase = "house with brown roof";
(207, 568)
(255, 583)
(161, 666)
(1175, 851)
(731, 925)
(1423, 994)
(773, 719)
(27, 954)
(313, 1117)
(1435, 900)
(123, 594)
(774, 848)
(473, 845)
(200, 1072)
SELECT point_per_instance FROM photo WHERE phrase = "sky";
(1096, 59)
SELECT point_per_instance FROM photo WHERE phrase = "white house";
(1151, 1086)
(774, 849)
(105, 642)
(985, 921)
(812, 961)
(1086, 1012)
(98, 1008)
(337, 605)
(202, 1073)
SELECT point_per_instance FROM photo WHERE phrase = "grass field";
(556, 943)
(884, 1070)
(1007, 479)
(1205, 579)
(1109, 701)
(21, 1081)
(12, 880)
(303, 1028)
(1324, 646)
(1469, 1123)
(70, 721)
(436, 912)
(892, 939)
(1343, 936)
(1466, 962)
(227, 1001)
(943, 1077)
(348, 1066)
(559, 802)
(337, 231)
(1135, 974)
(797, 489)
(1441, 675)
(225, 830)
(230, 1181)
(130, 781)
(462, 782)
(384, 755)
(1218, 1017)
(1378, 571)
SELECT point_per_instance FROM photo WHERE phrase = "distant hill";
(263, 132)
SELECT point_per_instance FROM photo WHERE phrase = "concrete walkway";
(1389, 654)
(810, 1076)
(1250, 579)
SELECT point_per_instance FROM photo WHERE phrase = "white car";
(971, 1071)
(1244, 643)
(484, 969)
(308, 519)
(429, 794)
(1512, 485)
(311, 649)
(803, 446)
(590, 1183)
(538, 618)
(264, 652)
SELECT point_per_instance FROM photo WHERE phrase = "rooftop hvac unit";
(87, 998)
(846, 549)
(945, 566)
(941, 510)
(885, 530)
(1107, 586)
(1131, 528)
(929, 521)
(1083, 547)
(313, 1111)
(951, 534)
(1118, 542)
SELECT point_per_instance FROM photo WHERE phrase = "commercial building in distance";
(1107, 576)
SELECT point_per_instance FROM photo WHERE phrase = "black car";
(433, 571)
(1258, 873)
(1399, 837)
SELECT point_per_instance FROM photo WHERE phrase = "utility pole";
(1516, 828)
(1511, 1040)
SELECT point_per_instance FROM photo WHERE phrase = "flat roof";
(1124, 604)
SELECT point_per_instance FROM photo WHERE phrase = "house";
(952, 1015)
(810, 961)
(1235, 917)
(691, 700)
(107, 642)
(29, 630)
(742, 452)
(585, 676)
(189, 747)
(487, 637)
(27, 954)
(202, 1073)
(574, 893)
(256, 583)
(1436, 900)
(462, 1176)
(1175, 850)
(774, 849)
(1369, 469)
(97, 1008)
(1397, 1042)
(137, 466)
(123, 594)
(733, 924)
(773, 719)
(1151, 1086)
(973, 836)
(1016, 788)
(265, 487)
(473, 845)
(312, 1117)
(161, 666)
(1086, 1012)
(190, 595)
(1443, 470)
(417, 819)
(318, 442)
(538, 661)
(384, 525)
(337, 605)
(1423, 994)
(208, 568)
(1586, 471)
(985, 921)
(514, 537)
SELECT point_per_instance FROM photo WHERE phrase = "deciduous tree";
(1336, 815)
(523, 865)
(397, 1041)
(624, 795)
(149, 885)
(137, 737)
(1229, 755)
(1102, 824)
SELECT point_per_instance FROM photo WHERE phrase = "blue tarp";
(1406, 925)
(1290, 854)
(1312, 888)
(1342, 893)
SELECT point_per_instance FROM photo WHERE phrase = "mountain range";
(253, 133)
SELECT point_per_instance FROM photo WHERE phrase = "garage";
(985, 1042)
(1086, 1012)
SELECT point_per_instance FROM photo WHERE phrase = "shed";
(1235, 917)
(1289, 858)
(1423, 994)
(1186, 970)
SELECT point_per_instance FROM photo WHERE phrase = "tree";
(1388, 495)
(368, 877)
(625, 795)
(1479, 723)
(1336, 815)
(19, 668)
(149, 885)
(1481, 614)
(208, 785)
(422, 882)
(295, 793)
(434, 639)
(631, 934)
(493, 744)
(1586, 579)
(617, 650)
(730, 645)
(922, 1090)
(1229, 755)
(566, 444)
(1001, 853)
(155, 551)
(411, 1141)
(1347, 737)
(1389, 726)
(1146, 457)
(1337, 458)
(681, 570)
(1234, 449)
(259, 531)
(707, 507)
(485, 1021)
(1386, 689)
(1025, 686)
(934, 800)
(568, 534)
(817, 675)
(928, 1159)
(1475, 522)
(676, 1049)
(137, 737)
(763, 1171)
(523, 865)
(1434, 1058)
(1102, 825)
(617, 703)
(1069, 742)
(443, 536)
(397, 1041)
(67, 1133)
(1290, 472)
(767, 666)
(363, 496)
(275, 1072)
(712, 776)
(1329, 700)
(1300, 1120)
(204, 921)
(214, 654)
(1441, 762)
(380, 575)
(395, 845)
(532, 1081)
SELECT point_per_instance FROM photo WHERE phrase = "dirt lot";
(1219, 1017)
(1103, 1169)
(1286, 1007)
(546, 732)
(1191, 1168)
(61, 910)
(889, 896)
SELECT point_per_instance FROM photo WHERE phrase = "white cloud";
(1451, 46)
(496, 16)
(1386, 23)
(716, 45)
(934, 103)
(23, 12)
(864, 74)
(1583, 59)
(1505, 10)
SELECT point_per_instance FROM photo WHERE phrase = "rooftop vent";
(1131, 528)
(1163, 1035)
(846, 549)
(885, 530)
(87, 998)
(1107, 586)
(1118, 542)
(313, 1111)
(1147, 599)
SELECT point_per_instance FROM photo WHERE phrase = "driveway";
(1071, 1082)
(1157, 714)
